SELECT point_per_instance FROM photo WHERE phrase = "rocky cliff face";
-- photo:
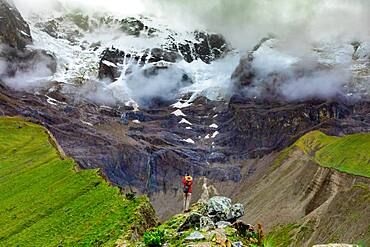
(255, 128)
(14, 30)
(15, 35)
(205, 47)
(150, 149)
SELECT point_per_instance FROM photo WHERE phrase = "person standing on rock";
(188, 183)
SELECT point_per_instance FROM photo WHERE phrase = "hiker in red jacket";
(188, 182)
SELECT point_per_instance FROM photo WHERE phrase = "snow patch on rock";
(110, 64)
(184, 121)
(178, 112)
(189, 140)
(215, 134)
(181, 105)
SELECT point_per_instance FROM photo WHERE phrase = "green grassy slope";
(45, 202)
(349, 154)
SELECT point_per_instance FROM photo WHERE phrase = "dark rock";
(207, 47)
(221, 209)
(106, 70)
(236, 211)
(187, 52)
(132, 26)
(202, 49)
(192, 221)
(135, 115)
(206, 223)
(242, 227)
(256, 128)
(14, 30)
(244, 73)
(158, 54)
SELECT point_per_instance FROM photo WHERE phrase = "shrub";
(154, 238)
(130, 196)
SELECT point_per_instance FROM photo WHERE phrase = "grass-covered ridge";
(349, 154)
(45, 202)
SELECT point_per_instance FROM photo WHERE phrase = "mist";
(320, 85)
(153, 82)
(26, 70)
(242, 22)
(300, 26)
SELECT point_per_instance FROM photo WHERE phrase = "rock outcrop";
(221, 209)
(112, 60)
(14, 30)
(190, 229)
(206, 47)
(256, 128)
(135, 27)
(14, 37)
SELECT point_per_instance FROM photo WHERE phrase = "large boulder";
(14, 30)
(221, 209)
(218, 204)
(192, 221)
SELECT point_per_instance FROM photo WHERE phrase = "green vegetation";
(349, 154)
(45, 202)
(281, 235)
(172, 233)
(154, 238)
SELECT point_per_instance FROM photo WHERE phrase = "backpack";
(187, 186)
